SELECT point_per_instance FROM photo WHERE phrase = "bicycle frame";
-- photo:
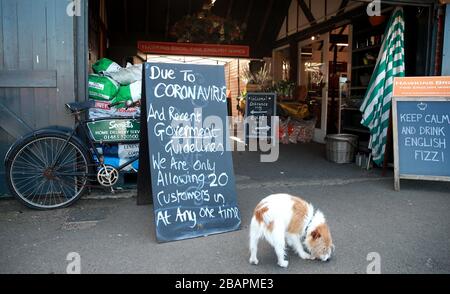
(82, 126)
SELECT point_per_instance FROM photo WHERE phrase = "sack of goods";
(102, 88)
(131, 92)
(128, 75)
(105, 65)
(103, 109)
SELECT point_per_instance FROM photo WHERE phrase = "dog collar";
(305, 233)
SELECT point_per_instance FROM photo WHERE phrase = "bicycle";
(51, 168)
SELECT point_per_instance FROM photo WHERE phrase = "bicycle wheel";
(48, 171)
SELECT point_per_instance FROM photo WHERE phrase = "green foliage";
(207, 28)
(285, 88)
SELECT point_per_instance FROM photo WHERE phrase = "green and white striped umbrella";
(376, 107)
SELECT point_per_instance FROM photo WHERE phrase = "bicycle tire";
(42, 142)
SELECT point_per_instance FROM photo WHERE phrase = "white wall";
(318, 10)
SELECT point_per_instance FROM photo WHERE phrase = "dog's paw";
(254, 261)
(283, 263)
(304, 255)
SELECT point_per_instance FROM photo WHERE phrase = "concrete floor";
(410, 230)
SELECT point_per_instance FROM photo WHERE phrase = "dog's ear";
(315, 234)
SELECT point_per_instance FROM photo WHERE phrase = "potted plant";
(257, 82)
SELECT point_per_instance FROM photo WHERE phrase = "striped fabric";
(376, 107)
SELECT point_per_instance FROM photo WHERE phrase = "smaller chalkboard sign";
(260, 108)
(421, 129)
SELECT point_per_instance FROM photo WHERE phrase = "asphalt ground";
(408, 230)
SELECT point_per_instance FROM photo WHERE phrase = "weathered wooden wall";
(38, 67)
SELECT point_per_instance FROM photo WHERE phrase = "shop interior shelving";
(366, 45)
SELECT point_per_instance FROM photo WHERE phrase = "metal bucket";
(341, 148)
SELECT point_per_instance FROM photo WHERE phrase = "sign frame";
(210, 211)
(397, 174)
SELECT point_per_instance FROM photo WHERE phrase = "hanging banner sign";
(421, 125)
(193, 184)
(168, 48)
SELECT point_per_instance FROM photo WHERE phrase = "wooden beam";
(264, 22)
(12, 124)
(249, 10)
(307, 11)
(342, 7)
(125, 15)
(339, 33)
(293, 70)
(323, 27)
(147, 16)
(28, 79)
(230, 8)
(167, 20)
(287, 22)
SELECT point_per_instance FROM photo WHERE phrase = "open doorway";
(313, 77)
(323, 76)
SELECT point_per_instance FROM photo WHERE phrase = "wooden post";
(394, 136)
(144, 185)
(389, 145)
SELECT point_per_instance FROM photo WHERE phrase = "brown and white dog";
(281, 219)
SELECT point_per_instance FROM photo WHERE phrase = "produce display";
(294, 131)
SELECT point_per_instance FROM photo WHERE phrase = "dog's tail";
(262, 219)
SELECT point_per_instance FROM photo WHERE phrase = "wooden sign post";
(193, 184)
(421, 125)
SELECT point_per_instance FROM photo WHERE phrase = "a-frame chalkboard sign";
(190, 162)
(421, 127)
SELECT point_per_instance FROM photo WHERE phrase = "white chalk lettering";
(186, 216)
(184, 116)
(167, 179)
(204, 166)
(196, 147)
(164, 217)
(206, 212)
(408, 130)
(158, 163)
(437, 119)
(178, 165)
(219, 198)
(188, 76)
(430, 156)
(178, 197)
(438, 143)
(410, 117)
(196, 92)
(156, 114)
(165, 74)
(228, 213)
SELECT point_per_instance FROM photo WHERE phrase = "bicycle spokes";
(49, 172)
